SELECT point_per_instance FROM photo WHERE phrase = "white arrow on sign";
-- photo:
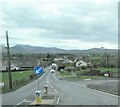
(37, 71)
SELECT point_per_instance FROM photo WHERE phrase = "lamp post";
(106, 65)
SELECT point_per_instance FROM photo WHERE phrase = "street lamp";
(106, 65)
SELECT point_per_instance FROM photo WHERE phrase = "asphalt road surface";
(68, 92)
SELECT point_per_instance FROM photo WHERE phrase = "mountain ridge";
(53, 50)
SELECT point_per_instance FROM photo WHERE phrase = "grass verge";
(68, 76)
(19, 79)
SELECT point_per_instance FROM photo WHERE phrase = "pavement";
(67, 92)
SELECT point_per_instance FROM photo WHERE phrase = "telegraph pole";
(8, 68)
(106, 66)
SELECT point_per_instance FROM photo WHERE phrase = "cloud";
(93, 21)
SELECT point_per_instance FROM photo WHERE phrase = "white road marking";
(58, 100)
(100, 91)
(28, 101)
(50, 84)
(87, 79)
(55, 90)
(53, 87)
(21, 102)
(47, 81)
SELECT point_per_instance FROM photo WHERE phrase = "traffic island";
(50, 99)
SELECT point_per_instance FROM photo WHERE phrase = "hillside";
(36, 49)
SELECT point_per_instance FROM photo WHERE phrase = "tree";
(48, 56)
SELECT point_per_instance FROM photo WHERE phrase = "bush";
(61, 67)
(84, 67)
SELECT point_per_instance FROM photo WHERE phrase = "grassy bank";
(18, 75)
(81, 78)
(83, 74)
(19, 79)
(114, 70)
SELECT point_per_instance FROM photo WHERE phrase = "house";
(3, 65)
(58, 59)
(81, 63)
(67, 61)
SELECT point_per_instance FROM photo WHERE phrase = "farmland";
(19, 79)
(85, 74)
(18, 75)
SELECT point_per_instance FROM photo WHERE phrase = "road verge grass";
(82, 77)
(19, 79)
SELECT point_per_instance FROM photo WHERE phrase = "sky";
(66, 24)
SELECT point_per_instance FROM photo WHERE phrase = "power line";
(27, 12)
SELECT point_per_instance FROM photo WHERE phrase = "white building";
(67, 61)
(81, 63)
(58, 59)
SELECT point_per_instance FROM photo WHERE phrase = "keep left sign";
(38, 70)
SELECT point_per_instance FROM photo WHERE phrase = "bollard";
(38, 98)
(45, 90)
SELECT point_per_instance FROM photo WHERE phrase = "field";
(16, 75)
(68, 75)
(114, 70)
(19, 79)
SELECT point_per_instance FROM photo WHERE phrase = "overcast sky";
(66, 24)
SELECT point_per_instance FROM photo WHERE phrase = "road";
(69, 92)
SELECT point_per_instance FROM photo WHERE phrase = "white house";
(58, 59)
(67, 61)
(81, 63)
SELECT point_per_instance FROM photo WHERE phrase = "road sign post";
(38, 71)
(106, 75)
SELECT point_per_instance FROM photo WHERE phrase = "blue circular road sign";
(38, 70)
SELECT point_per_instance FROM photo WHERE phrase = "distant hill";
(36, 49)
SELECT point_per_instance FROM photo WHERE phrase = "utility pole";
(8, 68)
(106, 66)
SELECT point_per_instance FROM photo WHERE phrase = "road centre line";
(58, 100)
(21, 102)
(55, 90)
(50, 84)
(53, 87)
(101, 91)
